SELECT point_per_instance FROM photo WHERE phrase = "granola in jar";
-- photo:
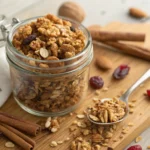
(49, 64)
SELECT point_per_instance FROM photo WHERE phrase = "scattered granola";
(51, 124)
(80, 116)
(139, 138)
(60, 142)
(53, 144)
(107, 111)
(9, 144)
(131, 110)
(130, 124)
(105, 89)
(80, 143)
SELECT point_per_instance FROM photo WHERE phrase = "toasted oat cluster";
(80, 143)
(90, 136)
(49, 38)
(108, 111)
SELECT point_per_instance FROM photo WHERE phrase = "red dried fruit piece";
(121, 71)
(148, 93)
(135, 147)
(96, 82)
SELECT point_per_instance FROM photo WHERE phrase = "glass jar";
(52, 91)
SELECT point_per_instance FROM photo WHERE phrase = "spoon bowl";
(123, 98)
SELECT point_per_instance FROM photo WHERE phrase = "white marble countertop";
(97, 12)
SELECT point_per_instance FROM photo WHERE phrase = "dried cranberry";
(72, 29)
(135, 147)
(148, 93)
(121, 71)
(29, 39)
(96, 82)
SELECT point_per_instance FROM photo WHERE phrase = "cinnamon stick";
(115, 36)
(20, 124)
(15, 138)
(138, 51)
(20, 134)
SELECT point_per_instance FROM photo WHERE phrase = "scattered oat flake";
(53, 130)
(133, 100)
(95, 98)
(75, 122)
(125, 131)
(72, 128)
(97, 92)
(47, 124)
(80, 116)
(105, 89)
(60, 142)
(53, 144)
(130, 124)
(81, 124)
(9, 144)
(139, 138)
(131, 110)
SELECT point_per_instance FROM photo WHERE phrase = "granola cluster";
(108, 111)
(52, 39)
(90, 136)
(49, 38)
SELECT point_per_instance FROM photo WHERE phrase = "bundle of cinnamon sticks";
(114, 39)
(16, 129)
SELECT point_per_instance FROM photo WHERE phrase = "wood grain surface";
(141, 115)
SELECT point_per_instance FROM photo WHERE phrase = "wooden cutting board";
(141, 115)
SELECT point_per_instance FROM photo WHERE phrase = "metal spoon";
(123, 98)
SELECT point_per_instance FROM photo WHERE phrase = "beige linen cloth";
(5, 82)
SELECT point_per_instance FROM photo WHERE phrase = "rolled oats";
(81, 125)
(9, 144)
(105, 89)
(60, 142)
(81, 116)
(47, 124)
(130, 124)
(53, 144)
(80, 144)
(54, 129)
(138, 139)
(108, 111)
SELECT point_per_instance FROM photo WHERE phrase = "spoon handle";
(125, 96)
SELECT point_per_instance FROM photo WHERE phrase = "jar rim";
(9, 41)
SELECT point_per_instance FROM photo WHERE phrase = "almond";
(137, 13)
(72, 10)
(103, 62)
